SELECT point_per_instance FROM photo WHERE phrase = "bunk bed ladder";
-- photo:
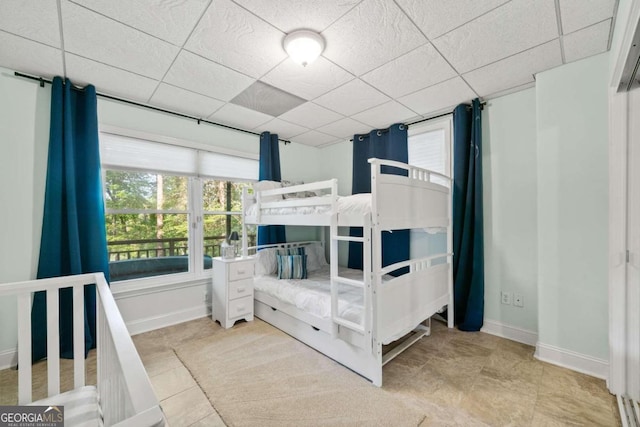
(364, 327)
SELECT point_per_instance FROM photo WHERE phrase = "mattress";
(359, 204)
(313, 295)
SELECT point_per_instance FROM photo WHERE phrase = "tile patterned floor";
(456, 378)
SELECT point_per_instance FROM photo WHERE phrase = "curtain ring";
(360, 138)
(379, 133)
(401, 127)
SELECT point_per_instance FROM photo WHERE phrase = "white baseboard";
(589, 365)
(8, 358)
(510, 332)
(169, 319)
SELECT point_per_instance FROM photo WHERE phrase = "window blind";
(122, 152)
(428, 150)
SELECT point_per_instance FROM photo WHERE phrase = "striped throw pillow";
(292, 266)
(292, 251)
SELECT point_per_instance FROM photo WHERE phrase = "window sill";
(155, 284)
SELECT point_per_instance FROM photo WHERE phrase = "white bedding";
(354, 204)
(313, 295)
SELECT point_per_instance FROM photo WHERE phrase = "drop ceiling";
(385, 61)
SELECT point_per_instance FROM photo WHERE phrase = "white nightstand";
(232, 297)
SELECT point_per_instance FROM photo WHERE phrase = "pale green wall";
(510, 215)
(24, 136)
(572, 126)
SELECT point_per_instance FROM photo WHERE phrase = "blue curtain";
(73, 238)
(270, 171)
(389, 144)
(468, 241)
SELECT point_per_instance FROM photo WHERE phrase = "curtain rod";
(430, 118)
(150, 107)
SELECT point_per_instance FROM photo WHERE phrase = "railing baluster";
(53, 342)
(78, 336)
(24, 348)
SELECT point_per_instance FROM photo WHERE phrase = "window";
(222, 208)
(429, 147)
(169, 207)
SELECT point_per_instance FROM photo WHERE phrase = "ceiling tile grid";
(586, 42)
(506, 30)
(230, 35)
(307, 82)
(385, 61)
(352, 98)
(515, 70)
(131, 86)
(290, 15)
(371, 34)
(577, 14)
(104, 40)
(27, 56)
(32, 19)
(182, 100)
(190, 71)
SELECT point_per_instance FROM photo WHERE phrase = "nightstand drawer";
(240, 307)
(240, 270)
(241, 288)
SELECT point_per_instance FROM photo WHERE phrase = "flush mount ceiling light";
(304, 46)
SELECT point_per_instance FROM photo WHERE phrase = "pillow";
(292, 266)
(267, 185)
(315, 256)
(266, 262)
(299, 250)
(287, 183)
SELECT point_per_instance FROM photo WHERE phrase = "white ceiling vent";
(267, 99)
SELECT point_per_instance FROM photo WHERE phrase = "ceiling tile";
(182, 100)
(310, 115)
(30, 57)
(420, 68)
(99, 38)
(576, 14)
(34, 19)
(515, 70)
(352, 97)
(384, 115)
(200, 75)
(267, 99)
(238, 116)
(344, 128)
(231, 36)
(371, 34)
(506, 30)
(283, 129)
(132, 86)
(438, 97)
(289, 15)
(307, 82)
(314, 138)
(171, 21)
(589, 41)
(436, 17)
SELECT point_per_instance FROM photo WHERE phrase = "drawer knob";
(240, 271)
(240, 308)
(240, 290)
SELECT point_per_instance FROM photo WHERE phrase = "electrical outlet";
(506, 298)
(518, 300)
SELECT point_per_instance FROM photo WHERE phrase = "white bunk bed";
(391, 307)
(123, 395)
